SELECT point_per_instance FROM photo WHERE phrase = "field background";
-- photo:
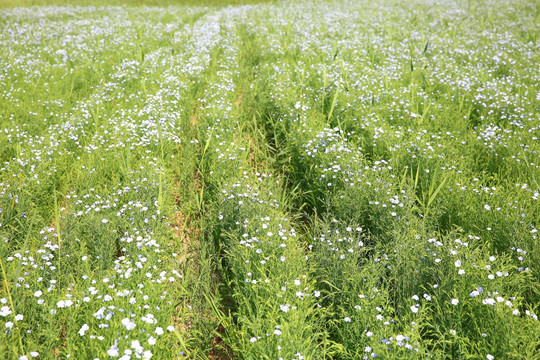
(269, 179)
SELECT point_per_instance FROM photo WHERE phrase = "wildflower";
(455, 301)
(5, 311)
(128, 324)
(113, 351)
(83, 329)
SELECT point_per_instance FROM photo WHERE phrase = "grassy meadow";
(285, 180)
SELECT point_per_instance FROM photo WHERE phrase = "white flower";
(83, 329)
(136, 345)
(38, 293)
(9, 324)
(347, 319)
(414, 309)
(128, 324)
(64, 303)
(159, 331)
(104, 221)
(253, 339)
(490, 357)
(277, 332)
(113, 351)
(4, 311)
(488, 301)
(19, 317)
(457, 263)
(152, 340)
(455, 301)
(170, 328)
(34, 354)
(369, 334)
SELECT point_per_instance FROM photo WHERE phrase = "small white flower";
(5, 311)
(490, 357)
(104, 221)
(38, 293)
(83, 329)
(19, 317)
(170, 328)
(253, 339)
(277, 332)
(455, 301)
(128, 324)
(414, 309)
(457, 263)
(159, 331)
(347, 319)
(113, 351)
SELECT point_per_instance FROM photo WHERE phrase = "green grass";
(311, 180)
(128, 3)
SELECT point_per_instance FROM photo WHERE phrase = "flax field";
(288, 180)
